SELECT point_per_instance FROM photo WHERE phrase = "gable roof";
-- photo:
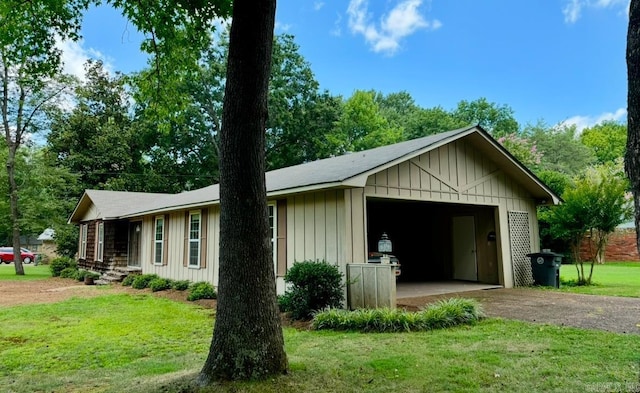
(349, 170)
(113, 204)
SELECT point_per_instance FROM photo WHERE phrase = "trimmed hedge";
(181, 285)
(160, 284)
(141, 281)
(202, 290)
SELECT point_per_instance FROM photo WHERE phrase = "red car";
(6, 255)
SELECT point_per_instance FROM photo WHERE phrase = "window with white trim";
(273, 231)
(100, 241)
(194, 239)
(82, 252)
(158, 244)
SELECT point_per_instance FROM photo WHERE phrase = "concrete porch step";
(127, 269)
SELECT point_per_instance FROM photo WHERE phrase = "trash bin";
(545, 267)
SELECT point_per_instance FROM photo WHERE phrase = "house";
(43, 245)
(621, 245)
(456, 205)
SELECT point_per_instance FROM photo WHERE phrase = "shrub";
(443, 314)
(142, 280)
(69, 272)
(201, 290)
(314, 285)
(160, 284)
(57, 265)
(80, 274)
(42, 259)
(129, 280)
(181, 285)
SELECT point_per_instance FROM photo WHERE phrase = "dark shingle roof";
(329, 172)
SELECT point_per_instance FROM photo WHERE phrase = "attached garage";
(437, 241)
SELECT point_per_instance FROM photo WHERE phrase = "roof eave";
(533, 183)
(360, 180)
(81, 204)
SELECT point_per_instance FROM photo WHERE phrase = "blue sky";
(550, 60)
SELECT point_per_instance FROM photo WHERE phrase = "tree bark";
(12, 146)
(632, 155)
(13, 201)
(247, 340)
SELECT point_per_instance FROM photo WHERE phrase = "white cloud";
(582, 122)
(573, 8)
(282, 27)
(403, 20)
(74, 56)
(337, 29)
(317, 5)
(571, 11)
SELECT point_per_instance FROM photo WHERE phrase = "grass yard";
(31, 272)
(611, 278)
(117, 343)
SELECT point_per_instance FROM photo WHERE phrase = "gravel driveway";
(610, 313)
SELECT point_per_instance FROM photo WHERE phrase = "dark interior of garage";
(421, 235)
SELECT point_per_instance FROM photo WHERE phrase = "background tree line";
(111, 134)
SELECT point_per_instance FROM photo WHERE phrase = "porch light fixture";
(384, 244)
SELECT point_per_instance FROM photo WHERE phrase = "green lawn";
(31, 272)
(114, 343)
(117, 343)
(611, 278)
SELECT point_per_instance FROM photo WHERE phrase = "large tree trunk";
(13, 202)
(12, 147)
(247, 339)
(632, 156)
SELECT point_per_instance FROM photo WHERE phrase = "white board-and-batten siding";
(315, 227)
(175, 268)
(453, 173)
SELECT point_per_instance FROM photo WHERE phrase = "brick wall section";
(621, 247)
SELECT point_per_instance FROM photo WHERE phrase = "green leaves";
(607, 139)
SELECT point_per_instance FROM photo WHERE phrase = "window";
(100, 242)
(273, 231)
(158, 245)
(83, 241)
(194, 239)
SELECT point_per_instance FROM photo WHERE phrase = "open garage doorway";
(437, 242)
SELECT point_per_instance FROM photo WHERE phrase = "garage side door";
(465, 264)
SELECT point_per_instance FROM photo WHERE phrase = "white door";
(465, 265)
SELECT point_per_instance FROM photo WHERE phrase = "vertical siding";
(452, 173)
(175, 230)
(357, 235)
(314, 227)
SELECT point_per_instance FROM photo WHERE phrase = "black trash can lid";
(544, 253)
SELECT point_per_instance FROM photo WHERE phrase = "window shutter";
(281, 233)
(81, 232)
(153, 241)
(165, 241)
(204, 219)
(185, 259)
(95, 241)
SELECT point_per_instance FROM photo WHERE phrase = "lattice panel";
(520, 247)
